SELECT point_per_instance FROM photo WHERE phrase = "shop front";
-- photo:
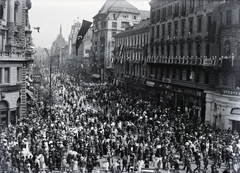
(151, 91)
(223, 109)
(184, 99)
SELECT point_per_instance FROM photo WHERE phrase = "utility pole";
(50, 85)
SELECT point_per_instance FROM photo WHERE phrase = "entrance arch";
(3, 113)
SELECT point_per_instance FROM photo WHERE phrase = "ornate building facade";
(16, 53)
(192, 44)
(130, 52)
(114, 17)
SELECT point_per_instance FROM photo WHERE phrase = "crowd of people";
(96, 126)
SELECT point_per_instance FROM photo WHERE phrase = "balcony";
(7, 56)
(202, 61)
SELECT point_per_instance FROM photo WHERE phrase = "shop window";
(235, 111)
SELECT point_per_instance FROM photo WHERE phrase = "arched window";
(207, 50)
(168, 50)
(189, 50)
(174, 51)
(181, 50)
(198, 51)
(162, 50)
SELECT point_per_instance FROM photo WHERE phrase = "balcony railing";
(15, 56)
(202, 61)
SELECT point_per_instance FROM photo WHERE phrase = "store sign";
(167, 80)
(231, 92)
(150, 83)
(37, 78)
(10, 88)
(234, 100)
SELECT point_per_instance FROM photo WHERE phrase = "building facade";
(223, 103)
(16, 52)
(130, 54)
(114, 17)
(193, 56)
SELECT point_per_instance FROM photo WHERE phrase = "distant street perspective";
(132, 91)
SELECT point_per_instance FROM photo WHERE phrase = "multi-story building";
(191, 44)
(114, 17)
(130, 68)
(16, 52)
(223, 103)
(79, 63)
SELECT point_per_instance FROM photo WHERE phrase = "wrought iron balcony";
(202, 61)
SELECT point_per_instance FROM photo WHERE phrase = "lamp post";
(193, 77)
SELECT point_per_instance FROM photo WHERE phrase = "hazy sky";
(50, 14)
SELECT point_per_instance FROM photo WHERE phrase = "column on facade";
(11, 5)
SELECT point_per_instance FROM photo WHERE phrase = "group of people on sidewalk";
(92, 121)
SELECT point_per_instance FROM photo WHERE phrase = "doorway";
(236, 126)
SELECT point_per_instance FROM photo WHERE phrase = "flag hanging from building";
(85, 26)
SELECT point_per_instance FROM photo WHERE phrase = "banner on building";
(82, 32)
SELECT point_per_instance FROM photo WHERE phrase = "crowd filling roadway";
(96, 127)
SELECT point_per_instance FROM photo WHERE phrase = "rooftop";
(118, 6)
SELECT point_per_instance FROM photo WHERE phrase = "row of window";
(165, 50)
(5, 75)
(133, 40)
(173, 9)
(180, 30)
(124, 16)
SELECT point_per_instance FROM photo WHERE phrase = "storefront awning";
(30, 93)
(96, 75)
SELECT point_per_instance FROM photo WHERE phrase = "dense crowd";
(93, 121)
